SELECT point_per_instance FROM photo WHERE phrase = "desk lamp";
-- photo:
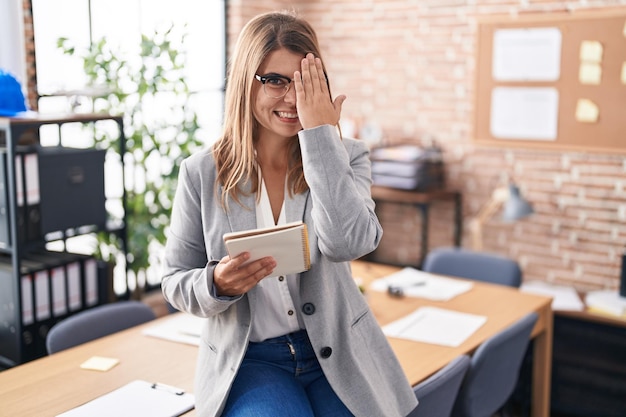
(515, 208)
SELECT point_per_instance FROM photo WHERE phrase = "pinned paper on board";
(529, 113)
(623, 74)
(528, 54)
(591, 51)
(587, 111)
(590, 73)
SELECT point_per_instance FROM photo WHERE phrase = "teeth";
(287, 115)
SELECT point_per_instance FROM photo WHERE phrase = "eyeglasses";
(274, 85)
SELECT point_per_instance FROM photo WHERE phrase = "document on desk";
(435, 326)
(181, 327)
(137, 398)
(415, 283)
(564, 297)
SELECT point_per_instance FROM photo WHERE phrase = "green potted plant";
(150, 91)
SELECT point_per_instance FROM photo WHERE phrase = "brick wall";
(408, 67)
(31, 66)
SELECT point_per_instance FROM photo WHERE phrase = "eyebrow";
(275, 74)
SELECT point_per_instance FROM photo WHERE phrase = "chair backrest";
(494, 370)
(95, 323)
(437, 393)
(479, 266)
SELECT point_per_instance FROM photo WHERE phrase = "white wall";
(12, 56)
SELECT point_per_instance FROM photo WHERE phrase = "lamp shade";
(515, 207)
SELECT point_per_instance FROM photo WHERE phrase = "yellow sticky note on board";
(587, 111)
(623, 76)
(590, 73)
(99, 363)
(591, 51)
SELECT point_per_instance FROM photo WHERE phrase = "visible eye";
(276, 82)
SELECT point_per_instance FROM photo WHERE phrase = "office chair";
(479, 266)
(437, 393)
(96, 322)
(494, 370)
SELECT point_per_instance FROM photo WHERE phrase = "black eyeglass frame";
(265, 78)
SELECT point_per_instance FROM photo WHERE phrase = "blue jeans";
(281, 377)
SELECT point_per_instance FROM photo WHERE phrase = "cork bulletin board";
(552, 81)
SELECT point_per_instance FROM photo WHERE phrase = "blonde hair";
(234, 151)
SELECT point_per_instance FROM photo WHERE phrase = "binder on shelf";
(75, 288)
(41, 282)
(43, 304)
(20, 192)
(82, 278)
(58, 282)
(31, 346)
(91, 281)
(33, 209)
(29, 327)
(71, 188)
(28, 214)
(27, 296)
(5, 224)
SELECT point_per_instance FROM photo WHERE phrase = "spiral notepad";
(288, 244)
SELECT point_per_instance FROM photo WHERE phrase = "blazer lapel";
(295, 207)
(242, 215)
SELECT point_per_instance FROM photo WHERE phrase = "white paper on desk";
(436, 326)
(181, 327)
(137, 398)
(563, 297)
(416, 283)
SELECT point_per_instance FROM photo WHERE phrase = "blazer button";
(308, 308)
(326, 352)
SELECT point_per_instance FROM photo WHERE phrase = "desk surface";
(51, 385)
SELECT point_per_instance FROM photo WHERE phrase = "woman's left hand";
(313, 101)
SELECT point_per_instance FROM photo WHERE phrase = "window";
(61, 78)
(62, 82)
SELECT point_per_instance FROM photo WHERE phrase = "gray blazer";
(339, 212)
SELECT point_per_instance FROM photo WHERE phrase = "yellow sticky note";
(591, 51)
(623, 77)
(624, 30)
(590, 73)
(587, 111)
(99, 363)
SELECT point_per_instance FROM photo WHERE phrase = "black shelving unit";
(70, 201)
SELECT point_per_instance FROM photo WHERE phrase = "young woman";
(299, 345)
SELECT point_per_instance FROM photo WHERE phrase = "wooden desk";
(502, 306)
(54, 384)
(422, 201)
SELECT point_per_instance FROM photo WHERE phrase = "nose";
(290, 97)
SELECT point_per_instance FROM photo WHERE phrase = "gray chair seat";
(494, 370)
(479, 266)
(97, 322)
(437, 393)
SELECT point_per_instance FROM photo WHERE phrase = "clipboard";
(137, 398)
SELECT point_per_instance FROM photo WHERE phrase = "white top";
(278, 295)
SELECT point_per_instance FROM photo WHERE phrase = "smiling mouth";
(287, 115)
